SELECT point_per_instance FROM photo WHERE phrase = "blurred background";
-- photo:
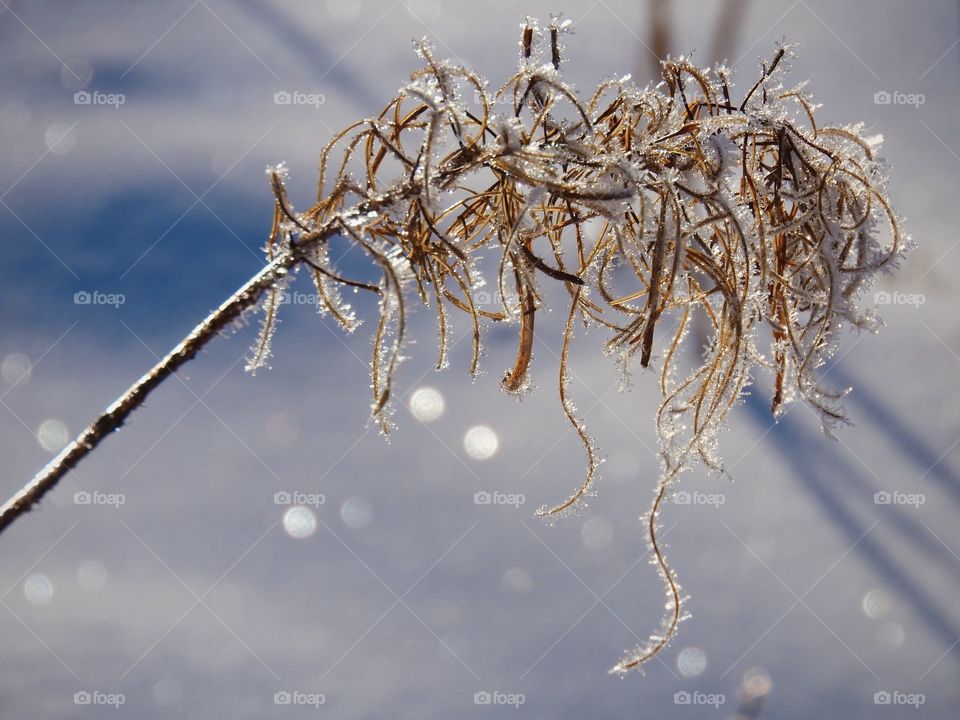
(248, 546)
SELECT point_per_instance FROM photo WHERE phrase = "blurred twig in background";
(662, 38)
(727, 34)
(659, 34)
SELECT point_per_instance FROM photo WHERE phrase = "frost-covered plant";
(646, 205)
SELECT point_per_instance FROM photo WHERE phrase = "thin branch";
(113, 418)
(115, 415)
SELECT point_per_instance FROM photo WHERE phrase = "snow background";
(191, 600)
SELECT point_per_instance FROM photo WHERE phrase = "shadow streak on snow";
(797, 447)
(900, 435)
(310, 51)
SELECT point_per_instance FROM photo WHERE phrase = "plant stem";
(229, 311)
(115, 415)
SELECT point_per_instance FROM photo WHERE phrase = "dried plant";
(646, 205)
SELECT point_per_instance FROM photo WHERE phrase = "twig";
(115, 415)
(245, 298)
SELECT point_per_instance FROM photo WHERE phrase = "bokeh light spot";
(427, 404)
(299, 522)
(481, 442)
(52, 435)
(15, 368)
(38, 589)
(691, 661)
(356, 513)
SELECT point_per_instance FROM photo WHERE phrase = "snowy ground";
(193, 598)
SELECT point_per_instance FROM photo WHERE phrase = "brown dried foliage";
(749, 213)
(646, 206)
